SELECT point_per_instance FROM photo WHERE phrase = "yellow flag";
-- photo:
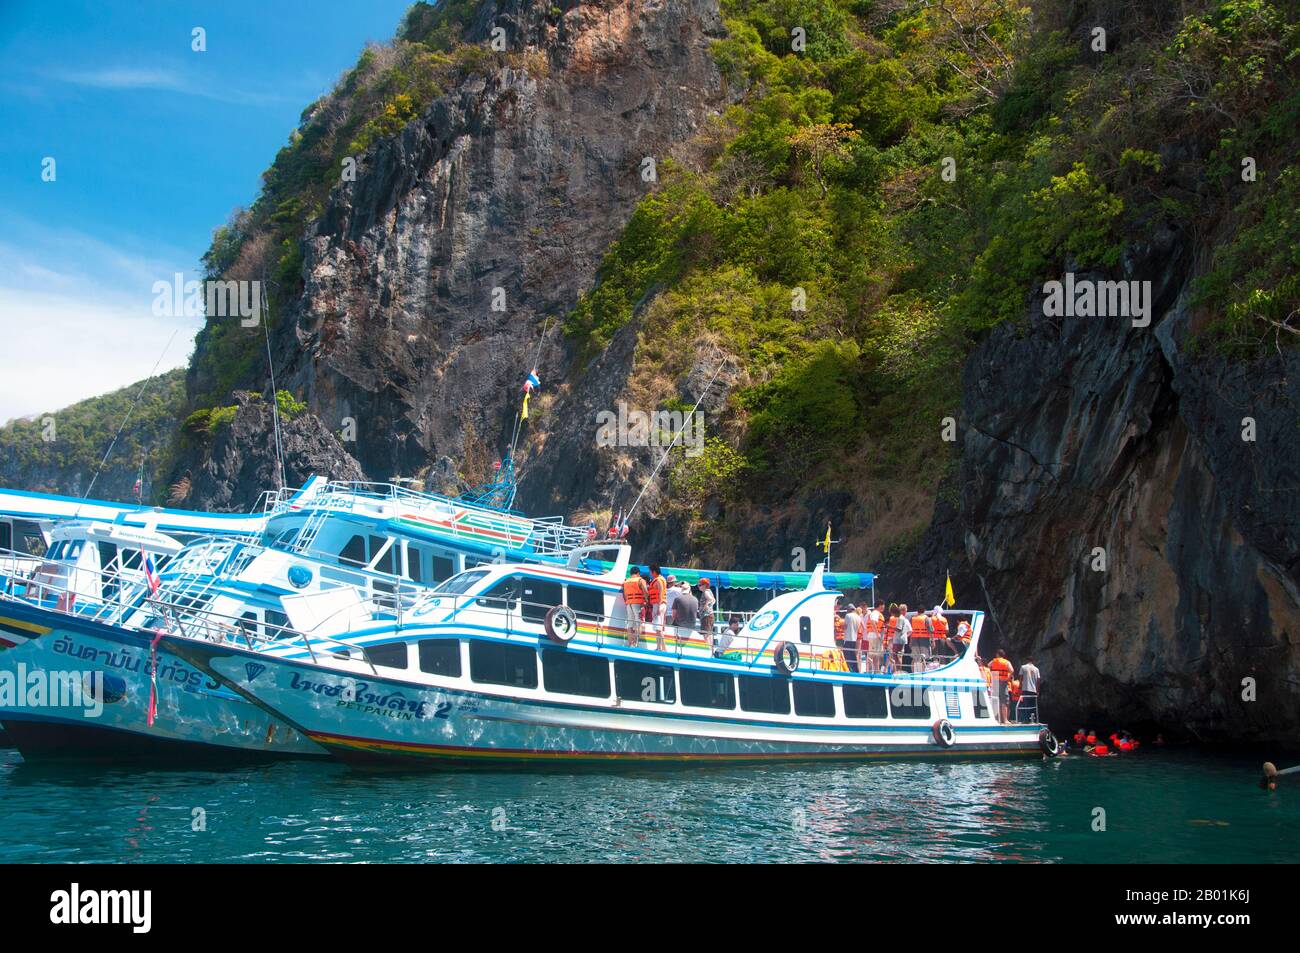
(948, 597)
(523, 414)
(826, 543)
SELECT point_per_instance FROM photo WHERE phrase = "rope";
(275, 396)
(537, 356)
(669, 449)
(144, 385)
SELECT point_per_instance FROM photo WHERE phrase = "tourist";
(852, 625)
(1030, 677)
(686, 612)
(941, 643)
(658, 604)
(1001, 670)
(902, 630)
(670, 596)
(921, 636)
(707, 601)
(728, 635)
(635, 594)
(963, 635)
(875, 637)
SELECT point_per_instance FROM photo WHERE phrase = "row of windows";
(495, 663)
(421, 564)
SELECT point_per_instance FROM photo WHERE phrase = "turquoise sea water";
(1161, 806)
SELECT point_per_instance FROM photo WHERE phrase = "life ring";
(1048, 743)
(785, 656)
(561, 624)
(944, 736)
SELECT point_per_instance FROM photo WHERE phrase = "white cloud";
(76, 318)
(128, 78)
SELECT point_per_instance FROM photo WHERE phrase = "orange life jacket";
(634, 591)
(1015, 689)
(839, 628)
(919, 631)
(940, 627)
(658, 590)
(875, 623)
(1001, 669)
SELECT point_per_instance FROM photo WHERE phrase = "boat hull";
(195, 716)
(366, 719)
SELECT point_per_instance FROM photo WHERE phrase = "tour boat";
(523, 662)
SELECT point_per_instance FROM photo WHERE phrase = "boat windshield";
(460, 583)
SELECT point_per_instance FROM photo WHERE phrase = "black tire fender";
(944, 736)
(561, 624)
(785, 656)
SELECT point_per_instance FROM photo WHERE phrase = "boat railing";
(99, 594)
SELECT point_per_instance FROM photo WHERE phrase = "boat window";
(248, 623)
(414, 563)
(707, 689)
(539, 596)
(389, 654)
(503, 594)
(909, 703)
(587, 601)
(440, 657)
(863, 702)
(6, 536)
(814, 699)
(131, 559)
(575, 674)
(385, 563)
(493, 663)
(805, 629)
(355, 551)
(461, 582)
(287, 538)
(276, 623)
(981, 700)
(641, 682)
(443, 568)
(31, 540)
(761, 694)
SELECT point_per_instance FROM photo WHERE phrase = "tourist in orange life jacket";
(657, 604)
(1092, 737)
(875, 627)
(963, 633)
(1013, 693)
(1080, 738)
(941, 642)
(1001, 669)
(921, 638)
(635, 595)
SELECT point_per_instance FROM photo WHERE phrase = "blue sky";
(154, 144)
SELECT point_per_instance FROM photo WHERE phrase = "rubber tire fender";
(785, 656)
(944, 736)
(561, 624)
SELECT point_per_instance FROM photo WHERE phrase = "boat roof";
(119, 534)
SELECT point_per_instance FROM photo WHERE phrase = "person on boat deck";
(852, 628)
(988, 676)
(941, 642)
(902, 631)
(707, 602)
(963, 634)
(1030, 677)
(1001, 670)
(1013, 693)
(921, 636)
(874, 627)
(635, 594)
(658, 595)
(670, 596)
(686, 611)
(728, 635)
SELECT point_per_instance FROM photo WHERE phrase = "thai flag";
(151, 575)
(532, 382)
(623, 527)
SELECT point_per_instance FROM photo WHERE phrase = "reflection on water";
(1159, 807)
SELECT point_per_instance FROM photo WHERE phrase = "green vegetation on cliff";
(59, 452)
(912, 175)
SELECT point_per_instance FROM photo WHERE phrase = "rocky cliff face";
(1121, 527)
(429, 279)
